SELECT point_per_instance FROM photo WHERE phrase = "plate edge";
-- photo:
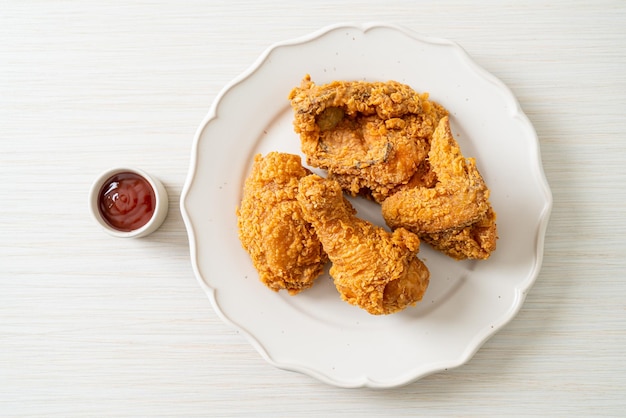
(521, 291)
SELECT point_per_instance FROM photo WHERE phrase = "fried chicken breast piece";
(371, 267)
(454, 215)
(282, 245)
(370, 136)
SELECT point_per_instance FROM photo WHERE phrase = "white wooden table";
(92, 325)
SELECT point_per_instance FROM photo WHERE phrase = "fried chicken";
(370, 136)
(282, 245)
(476, 241)
(454, 215)
(371, 268)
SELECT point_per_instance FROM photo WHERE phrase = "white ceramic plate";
(315, 332)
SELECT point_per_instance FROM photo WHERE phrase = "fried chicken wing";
(454, 215)
(371, 268)
(370, 136)
(282, 245)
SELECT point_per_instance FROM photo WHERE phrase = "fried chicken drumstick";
(371, 268)
(282, 245)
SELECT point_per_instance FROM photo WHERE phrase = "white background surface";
(92, 325)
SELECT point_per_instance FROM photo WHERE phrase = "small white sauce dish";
(108, 185)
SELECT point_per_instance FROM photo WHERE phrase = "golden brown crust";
(370, 136)
(372, 268)
(388, 143)
(475, 241)
(459, 198)
(454, 215)
(282, 245)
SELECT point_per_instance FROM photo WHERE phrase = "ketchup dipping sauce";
(128, 202)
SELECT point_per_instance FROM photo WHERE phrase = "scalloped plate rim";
(521, 290)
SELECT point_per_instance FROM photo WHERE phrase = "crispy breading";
(371, 267)
(390, 144)
(282, 245)
(370, 136)
(454, 215)
(476, 241)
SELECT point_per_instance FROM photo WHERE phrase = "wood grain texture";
(96, 326)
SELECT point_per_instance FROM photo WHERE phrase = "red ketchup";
(126, 201)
